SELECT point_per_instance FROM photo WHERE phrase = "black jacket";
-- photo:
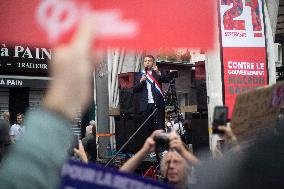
(141, 88)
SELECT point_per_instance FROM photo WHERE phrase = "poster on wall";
(243, 48)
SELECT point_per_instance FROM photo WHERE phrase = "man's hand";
(228, 135)
(156, 69)
(149, 145)
(176, 143)
(81, 152)
(143, 79)
(230, 138)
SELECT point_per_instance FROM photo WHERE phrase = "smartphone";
(76, 142)
(220, 118)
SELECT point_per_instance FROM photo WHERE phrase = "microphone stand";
(122, 147)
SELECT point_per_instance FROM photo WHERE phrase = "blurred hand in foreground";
(71, 70)
(81, 153)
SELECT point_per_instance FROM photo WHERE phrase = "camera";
(172, 73)
(162, 141)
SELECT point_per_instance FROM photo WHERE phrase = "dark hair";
(150, 56)
(20, 114)
(94, 132)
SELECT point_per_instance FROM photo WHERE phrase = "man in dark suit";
(149, 86)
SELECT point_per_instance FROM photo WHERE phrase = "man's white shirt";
(149, 88)
(17, 131)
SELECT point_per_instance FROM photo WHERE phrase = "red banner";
(243, 47)
(132, 24)
(243, 73)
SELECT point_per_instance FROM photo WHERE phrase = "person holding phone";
(228, 139)
(149, 86)
(220, 118)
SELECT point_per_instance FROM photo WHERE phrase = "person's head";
(91, 127)
(92, 122)
(6, 116)
(20, 119)
(149, 61)
(175, 168)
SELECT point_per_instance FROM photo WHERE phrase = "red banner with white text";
(243, 47)
(142, 24)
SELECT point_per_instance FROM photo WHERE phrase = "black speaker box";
(125, 126)
(201, 95)
(126, 80)
(128, 101)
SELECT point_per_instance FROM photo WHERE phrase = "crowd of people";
(36, 159)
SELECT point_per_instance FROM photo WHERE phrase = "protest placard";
(76, 175)
(255, 113)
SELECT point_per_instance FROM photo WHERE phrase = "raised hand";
(71, 70)
(149, 145)
(80, 152)
(143, 79)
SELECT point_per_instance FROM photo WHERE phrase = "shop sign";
(18, 82)
(24, 60)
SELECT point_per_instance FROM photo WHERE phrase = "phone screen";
(220, 118)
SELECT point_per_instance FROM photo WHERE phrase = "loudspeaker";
(200, 136)
(125, 126)
(126, 97)
(201, 95)
(128, 101)
(126, 80)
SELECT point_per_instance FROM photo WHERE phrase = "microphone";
(146, 69)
